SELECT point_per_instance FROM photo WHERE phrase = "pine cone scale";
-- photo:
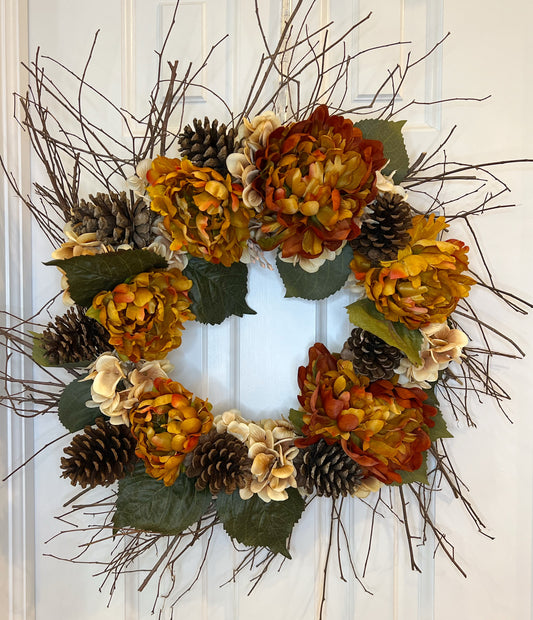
(93, 457)
(384, 229)
(115, 219)
(207, 145)
(327, 470)
(220, 462)
(371, 356)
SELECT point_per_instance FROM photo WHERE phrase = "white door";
(251, 363)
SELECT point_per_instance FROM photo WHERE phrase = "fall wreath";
(337, 203)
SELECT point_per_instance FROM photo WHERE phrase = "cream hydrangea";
(108, 371)
(253, 136)
(441, 346)
(271, 448)
(76, 245)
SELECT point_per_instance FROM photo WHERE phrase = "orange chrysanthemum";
(167, 424)
(145, 317)
(316, 177)
(381, 426)
(425, 283)
(202, 210)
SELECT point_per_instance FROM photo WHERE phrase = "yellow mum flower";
(167, 423)
(316, 176)
(425, 283)
(383, 427)
(202, 211)
(145, 317)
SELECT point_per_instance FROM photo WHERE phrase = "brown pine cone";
(384, 228)
(74, 338)
(371, 356)
(328, 470)
(220, 461)
(100, 455)
(207, 145)
(115, 220)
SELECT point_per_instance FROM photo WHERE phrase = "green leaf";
(147, 504)
(73, 413)
(420, 475)
(89, 275)
(363, 313)
(440, 430)
(390, 134)
(217, 292)
(37, 353)
(296, 418)
(327, 280)
(256, 523)
(39, 356)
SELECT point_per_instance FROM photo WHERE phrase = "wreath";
(337, 203)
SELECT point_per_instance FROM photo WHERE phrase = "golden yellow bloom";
(167, 423)
(145, 317)
(381, 426)
(316, 176)
(202, 210)
(425, 283)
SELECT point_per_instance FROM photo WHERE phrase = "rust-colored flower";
(202, 210)
(167, 423)
(425, 283)
(316, 176)
(381, 426)
(145, 317)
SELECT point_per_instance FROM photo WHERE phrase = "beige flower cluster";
(271, 448)
(76, 245)
(442, 345)
(107, 371)
(254, 135)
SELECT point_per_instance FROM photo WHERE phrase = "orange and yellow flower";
(167, 423)
(381, 426)
(145, 317)
(315, 176)
(202, 211)
(425, 283)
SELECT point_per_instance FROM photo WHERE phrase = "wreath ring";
(331, 198)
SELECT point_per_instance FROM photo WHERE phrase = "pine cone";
(327, 469)
(115, 220)
(207, 145)
(220, 461)
(73, 338)
(370, 355)
(384, 230)
(100, 455)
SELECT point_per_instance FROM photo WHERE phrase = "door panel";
(251, 363)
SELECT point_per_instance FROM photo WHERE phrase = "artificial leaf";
(147, 504)
(440, 430)
(329, 278)
(256, 523)
(363, 313)
(296, 418)
(420, 475)
(390, 134)
(89, 275)
(72, 410)
(217, 292)
(39, 356)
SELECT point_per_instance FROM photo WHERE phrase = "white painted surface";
(227, 363)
